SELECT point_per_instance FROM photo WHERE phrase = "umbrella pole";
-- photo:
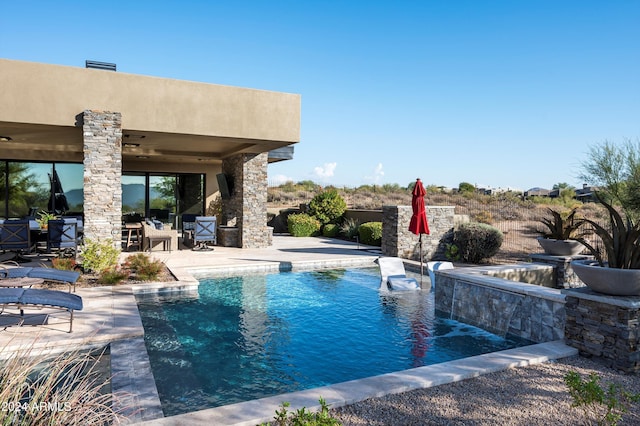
(421, 267)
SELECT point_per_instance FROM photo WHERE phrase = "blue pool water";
(253, 336)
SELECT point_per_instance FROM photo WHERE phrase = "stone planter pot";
(611, 281)
(560, 247)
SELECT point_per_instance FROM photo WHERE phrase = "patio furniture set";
(198, 232)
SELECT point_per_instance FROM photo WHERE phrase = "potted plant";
(43, 219)
(619, 275)
(563, 236)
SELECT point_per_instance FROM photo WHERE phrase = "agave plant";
(560, 228)
(621, 243)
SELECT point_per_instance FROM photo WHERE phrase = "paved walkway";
(110, 316)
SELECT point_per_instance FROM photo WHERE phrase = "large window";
(164, 197)
(28, 188)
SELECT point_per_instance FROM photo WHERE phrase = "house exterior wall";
(146, 103)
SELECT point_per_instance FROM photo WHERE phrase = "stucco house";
(112, 144)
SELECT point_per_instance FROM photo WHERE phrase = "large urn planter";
(611, 281)
(560, 247)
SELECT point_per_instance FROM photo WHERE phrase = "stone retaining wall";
(501, 306)
(607, 327)
(398, 241)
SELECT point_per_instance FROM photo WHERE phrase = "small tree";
(327, 206)
(466, 187)
(615, 169)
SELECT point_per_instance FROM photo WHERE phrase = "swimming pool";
(248, 337)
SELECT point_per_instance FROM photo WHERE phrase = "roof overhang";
(170, 121)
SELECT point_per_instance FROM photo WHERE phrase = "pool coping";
(257, 411)
(133, 376)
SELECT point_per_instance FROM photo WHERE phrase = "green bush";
(371, 233)
(303, 225)
(304, 417)
(330, 230)
(477, 241)
(99, 256)
(327, 206)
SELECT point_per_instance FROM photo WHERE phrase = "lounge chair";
(393, 275)
(47, 274)
(437, 265)
(21, 299)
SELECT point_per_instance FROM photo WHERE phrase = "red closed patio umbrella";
(419, 224)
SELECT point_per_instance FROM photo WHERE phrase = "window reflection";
(162, 198)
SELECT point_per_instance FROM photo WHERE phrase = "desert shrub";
(303, 416)
(330, 230)
(303, 225)
(349, 228)
(99, 256)
(64, 263)
(145, 268)
(483, 216)
(477, 241)
(371, 233)
(327, 206)
(113, 276)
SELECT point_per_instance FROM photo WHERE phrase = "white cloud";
(378, 173)
(279, 180)
(326, 171)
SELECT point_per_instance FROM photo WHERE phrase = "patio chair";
(188, 227)
(204, 232)
(152, 236)
(393, 275)
(23, 299)
(62, 236)
(15, 236)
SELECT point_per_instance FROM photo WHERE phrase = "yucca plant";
(621, 243)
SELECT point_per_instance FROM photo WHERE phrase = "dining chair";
(62, 236)
(204, 232)
(15, 236)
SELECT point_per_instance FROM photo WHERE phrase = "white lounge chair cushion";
(393, 275)
(402, 283)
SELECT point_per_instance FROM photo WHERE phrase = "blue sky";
(495, 93)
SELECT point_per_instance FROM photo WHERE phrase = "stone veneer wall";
(503, 307)
(247, 208)
(102, 134)
(607, 327)
(398, 241)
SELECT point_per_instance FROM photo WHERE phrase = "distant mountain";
(132, 195)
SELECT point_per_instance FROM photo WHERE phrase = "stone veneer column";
(247, 208)
(102, 133)
(398, 241)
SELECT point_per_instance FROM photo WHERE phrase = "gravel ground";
(532, 395)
